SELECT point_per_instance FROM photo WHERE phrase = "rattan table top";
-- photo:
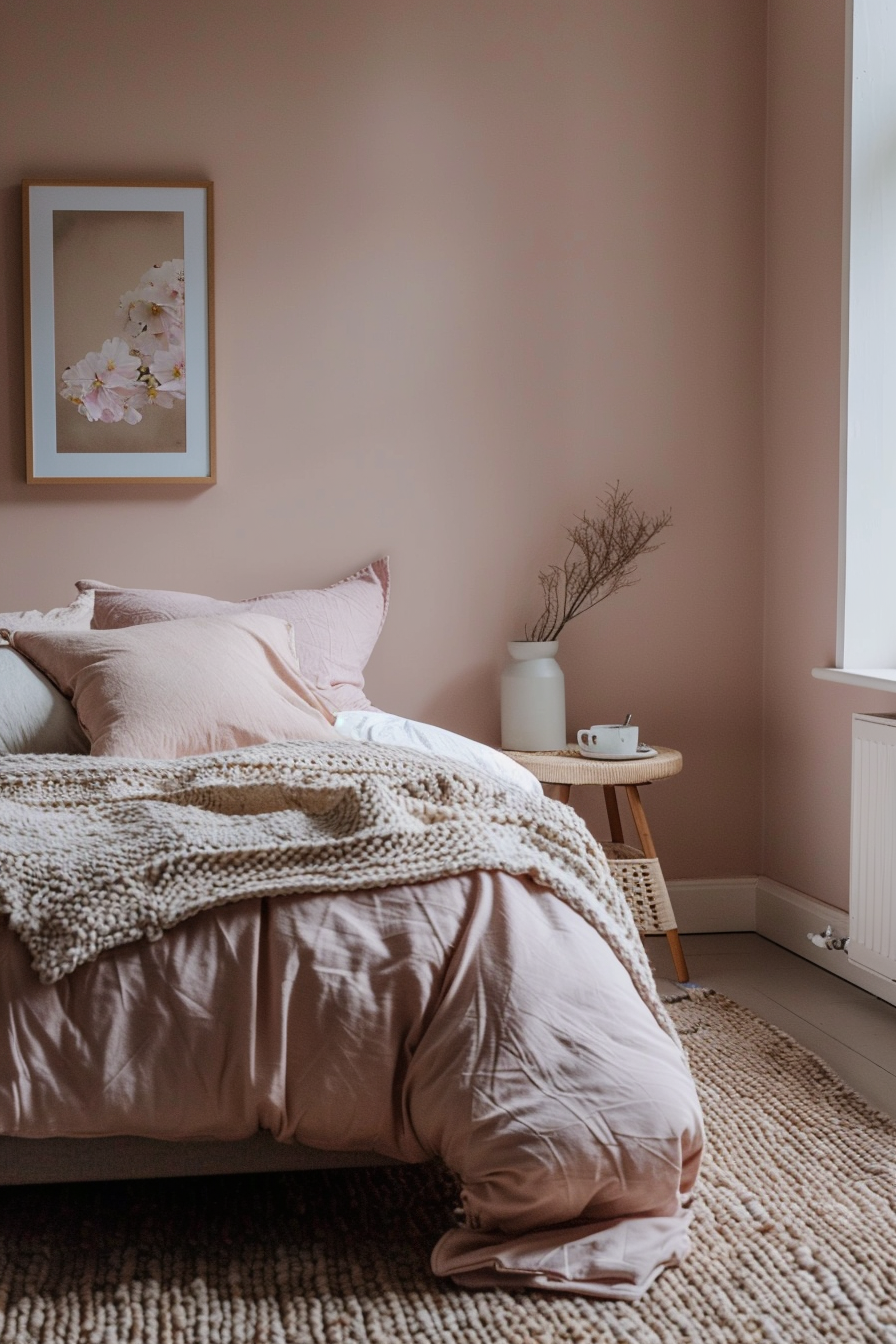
(568, 767)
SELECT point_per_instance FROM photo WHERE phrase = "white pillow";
(390, 730)
(76, 616)
(34, 715)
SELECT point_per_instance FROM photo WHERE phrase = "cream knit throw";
(99, 852)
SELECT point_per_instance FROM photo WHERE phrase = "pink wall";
(807, 722)
(473, 261)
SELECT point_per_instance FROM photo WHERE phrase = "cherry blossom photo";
(127, 311)
(119, 289)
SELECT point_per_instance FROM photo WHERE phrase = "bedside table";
(638, 872)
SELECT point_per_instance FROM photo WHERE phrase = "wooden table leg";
(640, 819)
(560, 792)
(675, 947)
(612, 802)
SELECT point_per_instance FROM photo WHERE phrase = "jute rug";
(794, 1237)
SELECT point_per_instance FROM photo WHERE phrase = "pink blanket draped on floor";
(475, 1018)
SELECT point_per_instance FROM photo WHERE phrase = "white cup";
(609, 739)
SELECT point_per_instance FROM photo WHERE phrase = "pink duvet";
(477, 1019)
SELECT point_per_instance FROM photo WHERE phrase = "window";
(866, 626)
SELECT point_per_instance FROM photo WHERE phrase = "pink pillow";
(181, 688)
(335, 628)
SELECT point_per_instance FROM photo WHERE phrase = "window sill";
(875, 678)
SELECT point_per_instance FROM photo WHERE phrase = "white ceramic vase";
(533, 697)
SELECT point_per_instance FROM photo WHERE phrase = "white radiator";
(872, 866)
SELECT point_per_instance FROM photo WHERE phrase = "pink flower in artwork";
(147, 394)
(121, 380)
(169, 369)
(156, 397)
(154, 311)
(102, 382)
(167, 281)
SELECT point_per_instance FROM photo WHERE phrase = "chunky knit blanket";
(99, 852)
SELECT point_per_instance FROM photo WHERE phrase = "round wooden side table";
(637, 871)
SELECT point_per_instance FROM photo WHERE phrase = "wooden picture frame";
(119, 332)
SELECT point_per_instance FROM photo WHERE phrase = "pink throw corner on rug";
(616, 1259)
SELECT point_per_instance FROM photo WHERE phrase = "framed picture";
(119, 368)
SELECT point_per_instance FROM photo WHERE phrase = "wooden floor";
(853, 1031)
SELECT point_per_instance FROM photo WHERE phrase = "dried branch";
(605, 546)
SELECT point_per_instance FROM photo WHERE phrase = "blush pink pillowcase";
(335, 628)
(181, 688)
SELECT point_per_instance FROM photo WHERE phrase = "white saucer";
(642, 754)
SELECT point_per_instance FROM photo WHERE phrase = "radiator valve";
(828, 941)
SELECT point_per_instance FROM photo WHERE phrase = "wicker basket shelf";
(642, 884)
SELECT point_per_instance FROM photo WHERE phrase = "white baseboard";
(781, 914)
(715, 905)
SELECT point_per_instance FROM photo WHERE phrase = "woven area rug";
(794, 1237)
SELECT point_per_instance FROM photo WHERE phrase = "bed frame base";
(121, 1158)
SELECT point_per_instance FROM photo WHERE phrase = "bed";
(407, 956)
